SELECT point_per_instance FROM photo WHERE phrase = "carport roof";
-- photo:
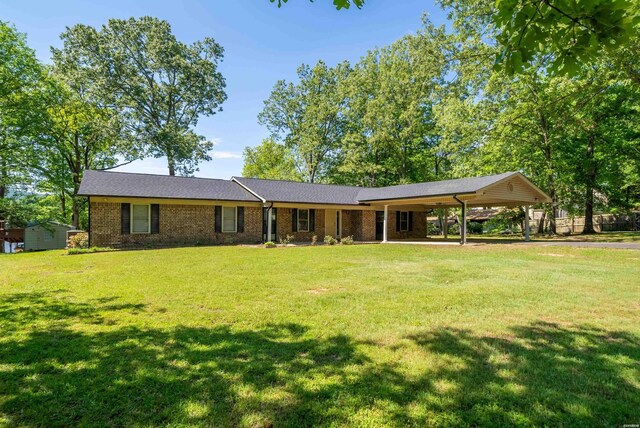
(434, 188)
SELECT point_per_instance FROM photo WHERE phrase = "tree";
(307, 116)
(569, 32)
(161, 84)
(20, 111)
(270, 160)
(388, 108)
(80, 133)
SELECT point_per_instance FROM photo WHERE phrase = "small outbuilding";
(49, 235)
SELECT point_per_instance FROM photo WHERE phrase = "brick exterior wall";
(195, 224)
(285, 228)
(419, 226)
(179, 225)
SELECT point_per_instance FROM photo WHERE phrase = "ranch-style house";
(129, 209)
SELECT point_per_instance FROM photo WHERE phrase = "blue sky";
(263, 43)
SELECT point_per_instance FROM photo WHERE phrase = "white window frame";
(235, 220)
(406, 221)
(148, 219)
(308, 220)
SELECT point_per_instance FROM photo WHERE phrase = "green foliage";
(21, 87)
(474, 227)
(162, 84)
(347, 240)
(270, 160)
(330, 240)
(339, 4)
(79, 240)
(570, 33)
(270, 244)
(286, 240)
(308, 118)
(80, 250)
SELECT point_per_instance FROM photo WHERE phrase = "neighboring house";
(128, 209)
(45, 236)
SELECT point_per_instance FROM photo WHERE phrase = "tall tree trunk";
(3, 177)
(63, 204)
(171, 162)
(590, 181)
(548, 159)
(75, 213)
(541, 222)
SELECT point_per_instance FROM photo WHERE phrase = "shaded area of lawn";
(55, 372)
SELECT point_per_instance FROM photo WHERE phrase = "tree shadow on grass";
(119, 375)
(538, 374)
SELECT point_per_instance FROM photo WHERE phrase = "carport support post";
(463, 226)
(527, 229)
(384, 227)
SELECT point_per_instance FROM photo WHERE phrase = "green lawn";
(578, 237)
(368, 335)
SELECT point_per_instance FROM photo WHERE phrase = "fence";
(601, 223)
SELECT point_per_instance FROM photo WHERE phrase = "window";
(48, 236)
(229, 219)
(303, 220)
(404, 221)
(140, 220)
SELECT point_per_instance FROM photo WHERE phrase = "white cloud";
(226, 155)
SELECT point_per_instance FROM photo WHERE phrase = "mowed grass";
(368, 335)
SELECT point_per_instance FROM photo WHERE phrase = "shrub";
(474, 227)
(330, 240)
(79, 240)
(286, 240)
(454, 229)
(432, 229)
(269, 244)
(347, 240)
(314, 240)
(72, 251)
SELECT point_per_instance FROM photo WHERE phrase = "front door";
(379, 225)
(274, 225)
(332, 222)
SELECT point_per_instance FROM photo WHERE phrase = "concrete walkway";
(579, 244)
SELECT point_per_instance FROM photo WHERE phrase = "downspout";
(89, 220)
(463, 226)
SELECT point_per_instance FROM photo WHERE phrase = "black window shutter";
(294, 220)
(312, 220)
(155, 218)
(398, 221)
(240, 219)
(218, 218)
(410, 221)
(125, 217)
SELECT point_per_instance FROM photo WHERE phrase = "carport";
(511, 189)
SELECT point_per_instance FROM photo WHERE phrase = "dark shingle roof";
(108, 183)
(293, 191)
(434, 188)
